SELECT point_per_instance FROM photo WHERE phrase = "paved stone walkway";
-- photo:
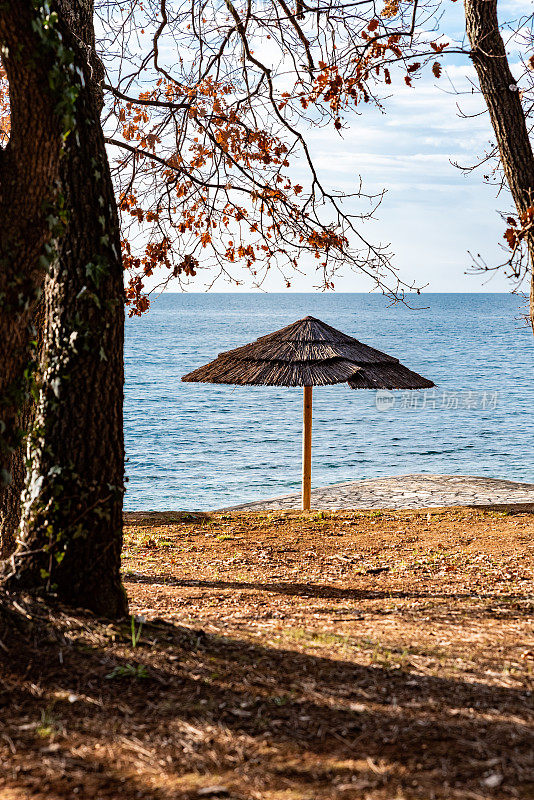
(407, 491)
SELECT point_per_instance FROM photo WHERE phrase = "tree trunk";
(29, 166)
(72, 505)
(502, 98)
(31, 326)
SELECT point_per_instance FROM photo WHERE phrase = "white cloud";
(432, 213)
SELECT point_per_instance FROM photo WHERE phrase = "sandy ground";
(380, 655)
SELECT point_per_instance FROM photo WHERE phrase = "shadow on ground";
(314, 590)
(186, 710)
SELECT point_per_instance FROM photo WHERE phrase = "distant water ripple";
(202, 446)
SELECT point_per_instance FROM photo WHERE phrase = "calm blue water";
(202, 446)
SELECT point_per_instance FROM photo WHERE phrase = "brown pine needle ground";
(377, 655)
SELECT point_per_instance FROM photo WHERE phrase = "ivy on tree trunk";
(72, 504)
(29, 169)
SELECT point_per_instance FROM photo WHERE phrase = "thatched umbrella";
(308, 353)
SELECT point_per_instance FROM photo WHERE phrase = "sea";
(198, 446)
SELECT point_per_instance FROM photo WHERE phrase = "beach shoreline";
(406, 492)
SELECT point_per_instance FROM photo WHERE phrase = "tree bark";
(29, 167)
(72, 505)
(77, 18)
(10, 495)
(500, 92)
(10, 503)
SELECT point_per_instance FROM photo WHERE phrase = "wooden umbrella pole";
(306, 448)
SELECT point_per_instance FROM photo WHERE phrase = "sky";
(433, 215)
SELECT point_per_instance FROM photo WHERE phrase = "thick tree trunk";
(29, 167)
(502, 98)
(72, 506)
(77, 17)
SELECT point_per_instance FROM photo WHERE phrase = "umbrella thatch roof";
(309, 353)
